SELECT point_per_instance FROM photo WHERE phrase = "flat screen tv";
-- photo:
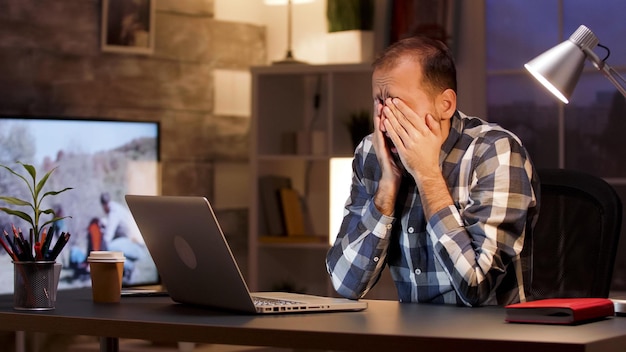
(101, 160)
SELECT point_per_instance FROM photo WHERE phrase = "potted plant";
(34, 256)
(350, 37)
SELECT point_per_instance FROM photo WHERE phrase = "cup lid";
(105, 256)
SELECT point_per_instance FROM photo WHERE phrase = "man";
(122, 234)
(445, 200)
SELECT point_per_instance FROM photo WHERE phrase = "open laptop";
(196, 264)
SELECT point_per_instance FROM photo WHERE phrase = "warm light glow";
(546, 84)
(284, 2)
(340, 182)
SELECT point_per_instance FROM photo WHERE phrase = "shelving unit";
(298, 124)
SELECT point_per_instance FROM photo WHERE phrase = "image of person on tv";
(122, 234)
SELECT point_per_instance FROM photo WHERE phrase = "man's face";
(404, 81)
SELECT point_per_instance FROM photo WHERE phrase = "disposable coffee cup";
(107, 270)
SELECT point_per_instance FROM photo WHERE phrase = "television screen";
(102, 160)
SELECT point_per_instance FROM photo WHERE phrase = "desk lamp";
(559, 68)
(289, 58)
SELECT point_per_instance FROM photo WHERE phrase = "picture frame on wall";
(127, 26)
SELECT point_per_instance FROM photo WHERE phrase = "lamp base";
(289, 59)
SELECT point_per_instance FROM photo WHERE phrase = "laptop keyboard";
(261, 301)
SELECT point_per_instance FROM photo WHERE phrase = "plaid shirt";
(466, 254)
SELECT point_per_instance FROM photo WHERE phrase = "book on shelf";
(270, 204)
(293, 214)
(559, 310)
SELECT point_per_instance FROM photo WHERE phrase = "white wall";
(308, 26)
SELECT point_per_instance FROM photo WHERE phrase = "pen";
(61, 242)
(46, 243)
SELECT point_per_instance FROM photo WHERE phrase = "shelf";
(286, 102)
(312, 69)
(290, 240)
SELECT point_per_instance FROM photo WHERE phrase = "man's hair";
(435, 58)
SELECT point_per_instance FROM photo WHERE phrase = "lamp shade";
(559, 69)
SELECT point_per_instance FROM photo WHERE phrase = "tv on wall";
(101, 160)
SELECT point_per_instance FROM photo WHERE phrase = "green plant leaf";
(345, 15)
(15, 173)
(54, 220)
(35, 188)
(46, 211)
(14, 201)
(31, 170)
(18, 213)
(54, 193)
(42, 182)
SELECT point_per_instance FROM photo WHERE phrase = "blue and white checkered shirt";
(466, 254)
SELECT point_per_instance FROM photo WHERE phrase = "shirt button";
(376, 259)
(411, 229)
(389, 226)
(418, 271)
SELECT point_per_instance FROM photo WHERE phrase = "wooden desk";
(384, 326)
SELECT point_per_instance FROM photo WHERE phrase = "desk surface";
(385, 325)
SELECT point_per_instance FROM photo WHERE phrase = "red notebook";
(559, 310)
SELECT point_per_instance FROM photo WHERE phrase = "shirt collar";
(456, 130)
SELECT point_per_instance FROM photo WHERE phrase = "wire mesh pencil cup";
(35, 285)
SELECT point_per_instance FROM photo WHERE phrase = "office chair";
(572, 248)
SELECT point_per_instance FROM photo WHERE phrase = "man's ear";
(446, 103)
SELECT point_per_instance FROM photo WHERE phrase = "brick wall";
(51, 64)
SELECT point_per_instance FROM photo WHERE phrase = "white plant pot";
(350, 46)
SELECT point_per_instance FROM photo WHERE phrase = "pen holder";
(35, 285)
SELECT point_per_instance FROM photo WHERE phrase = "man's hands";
(417, 141)
(417, 138)
(389, 183)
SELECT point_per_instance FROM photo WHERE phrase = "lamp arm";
(606, 70)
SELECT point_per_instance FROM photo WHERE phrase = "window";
(586, 133)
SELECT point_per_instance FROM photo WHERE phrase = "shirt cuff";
(376, 222)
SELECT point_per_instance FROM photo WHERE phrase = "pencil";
(9, 251)
(27, 253)
(43, 236)
(14, 247)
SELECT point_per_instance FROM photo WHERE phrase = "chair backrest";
(572, 249)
